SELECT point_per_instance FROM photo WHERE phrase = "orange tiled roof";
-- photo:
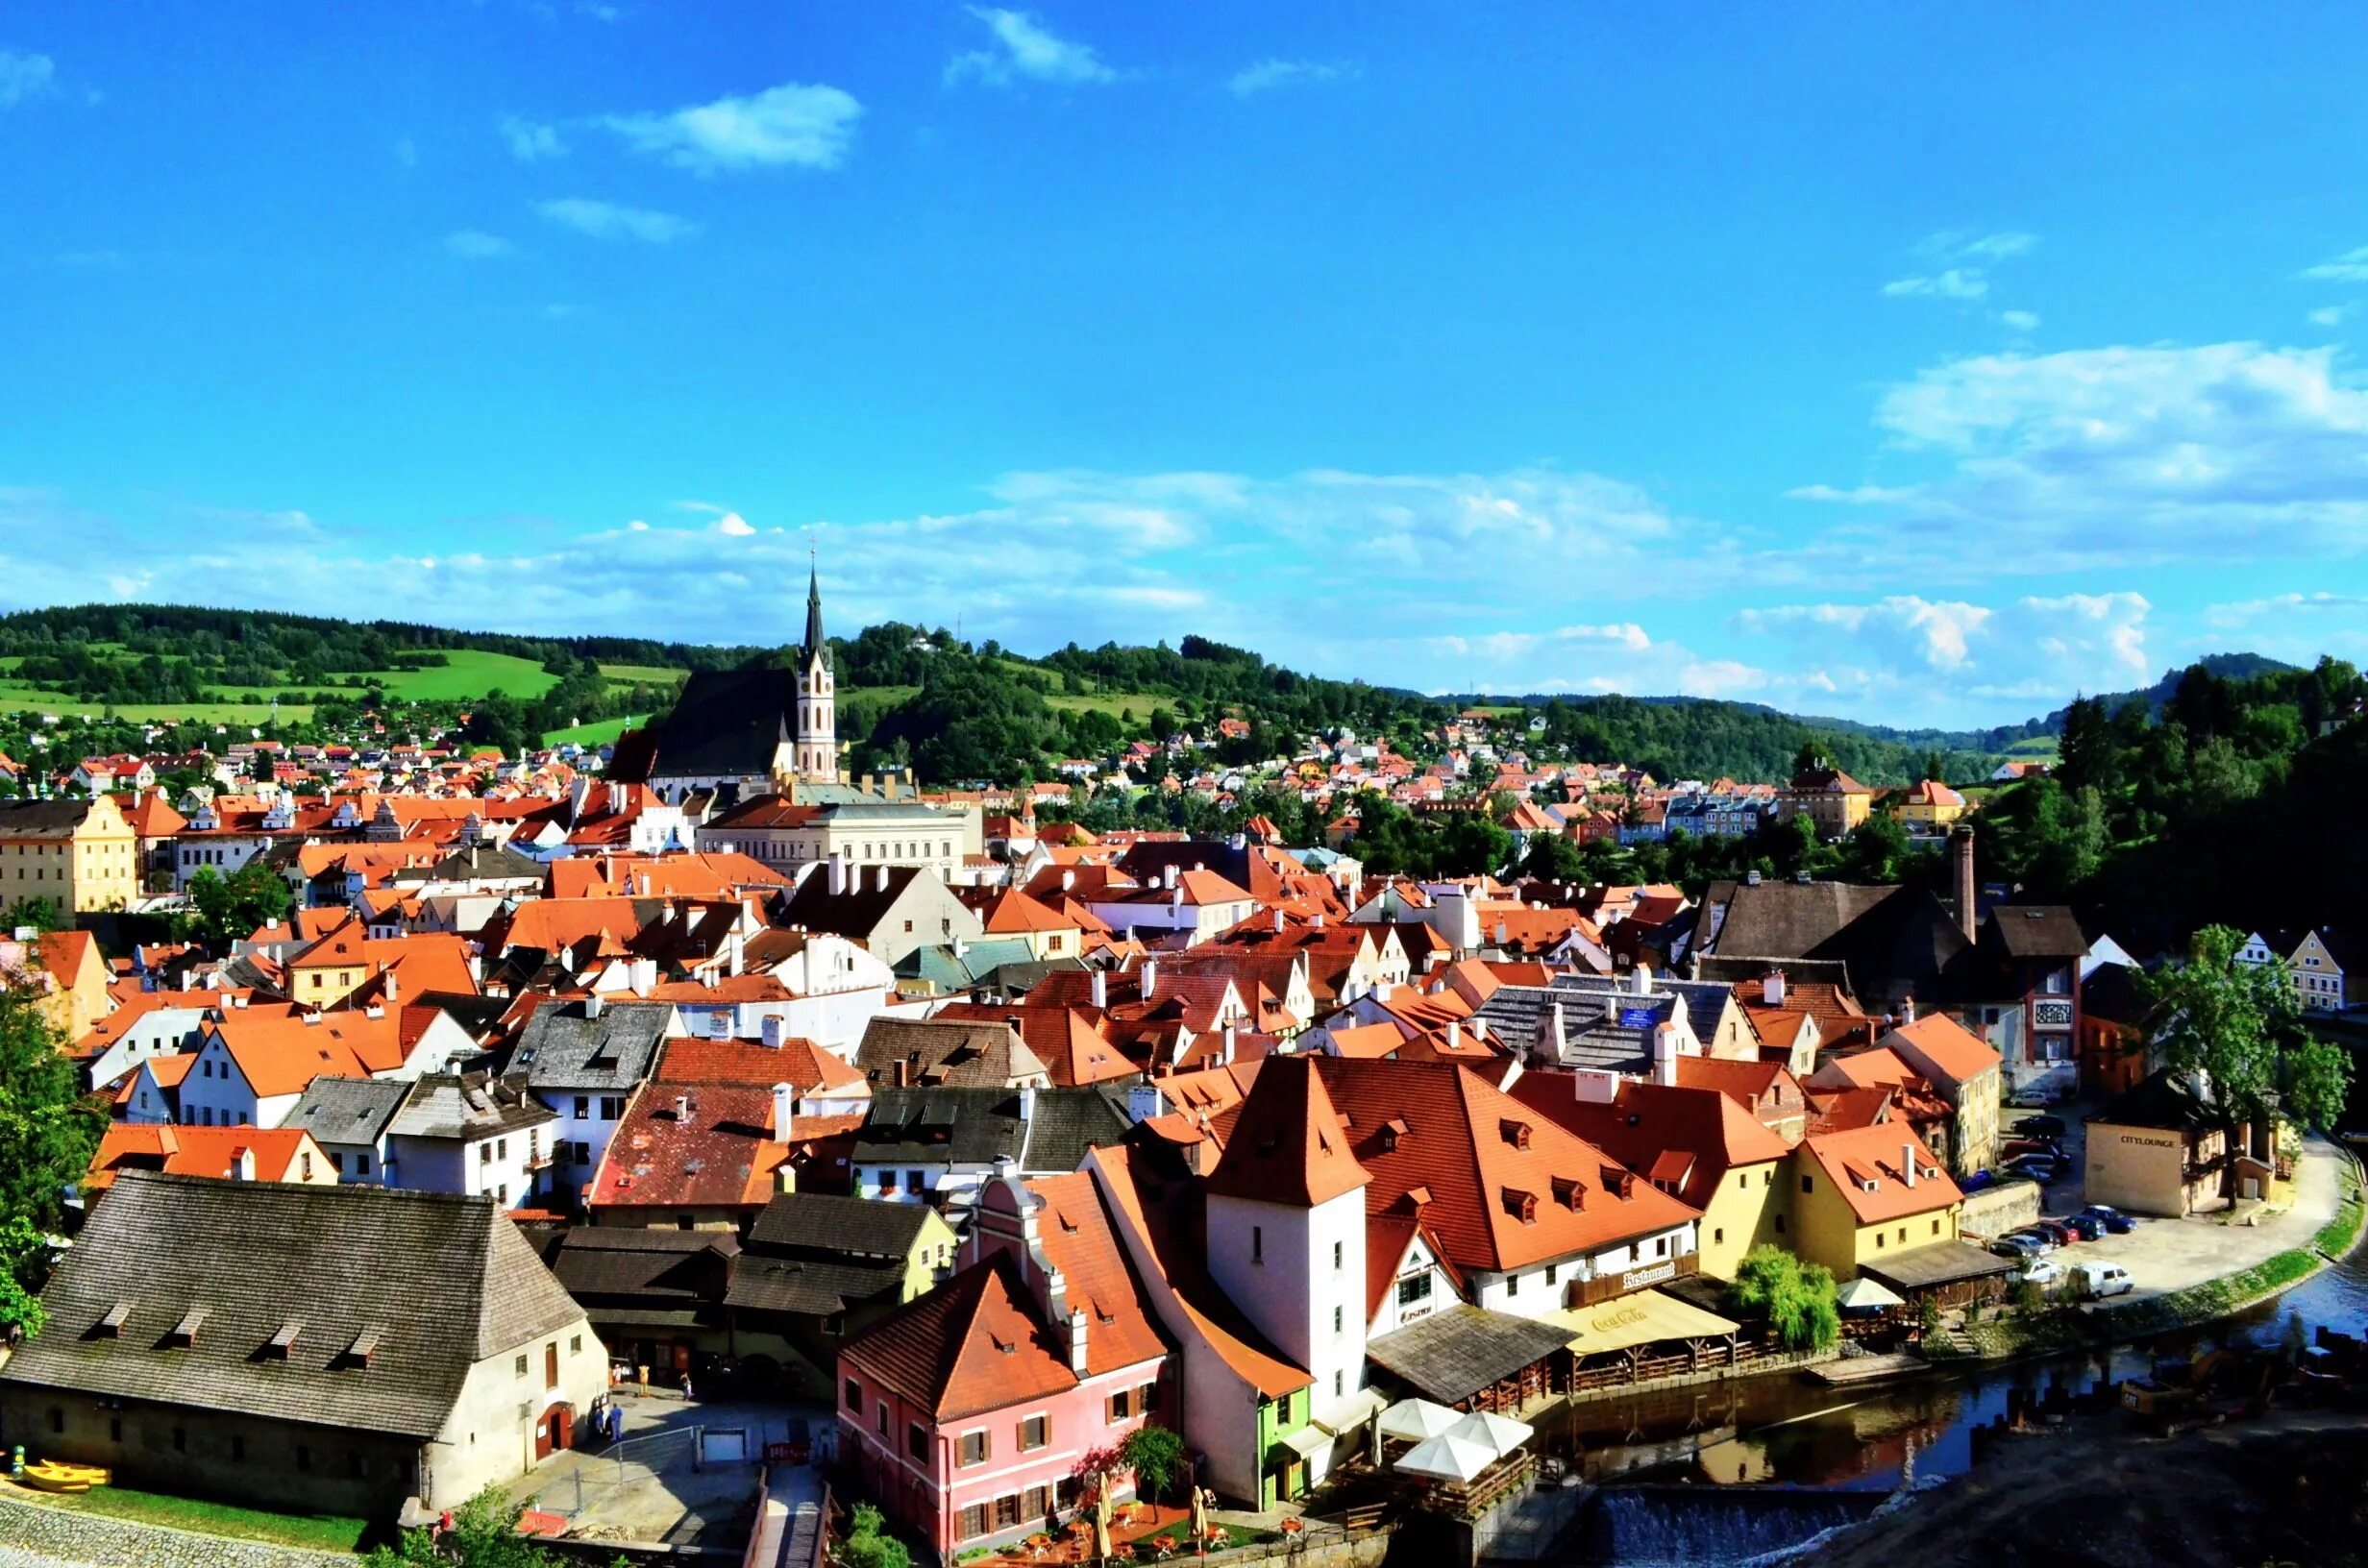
(1852, 1159)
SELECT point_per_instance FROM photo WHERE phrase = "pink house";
(964, 1412)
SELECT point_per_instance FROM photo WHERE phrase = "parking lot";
(662, 1483)
(2165, 1254)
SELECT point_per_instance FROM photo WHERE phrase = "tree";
(227, 909)
(48, 1128)
(1554, 859)
(39, 914)
(2240, 1025)
(1796, 1298)
(24, 1252)
(484, 1535)
(868, 1543)
(1156, 1456)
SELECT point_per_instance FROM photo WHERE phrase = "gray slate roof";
(952, 1053)
(563, 1049)
(1453, 1354)
(443, 1282)
(832, 1223)
(812, 1287)
(348, 1110)
(469, 1107)
(941, 1126)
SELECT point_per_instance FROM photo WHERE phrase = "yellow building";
(2162, 1148)
(1929, 809)
(1868, 1193)
(330, 969)
(81, 855)
(1831, 798)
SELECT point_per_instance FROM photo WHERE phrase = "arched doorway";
(555, 1431)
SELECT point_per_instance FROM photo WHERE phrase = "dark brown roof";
(437, 1282)
(2036, 931)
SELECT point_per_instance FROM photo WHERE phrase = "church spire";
(815, 645)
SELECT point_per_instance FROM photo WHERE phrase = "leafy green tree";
(1554, 859)
(39, 914)
(224, 910)
(1156, 1456)
(869, 1545)
(24, 1254)
(484, 1535)
(2239, 1023)
(48, 1130)
(1796, 1298)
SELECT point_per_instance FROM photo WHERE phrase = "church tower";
(817, 756)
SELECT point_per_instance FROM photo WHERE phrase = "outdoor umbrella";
(1412, 1420)
(1447, 1456)
(1500, 1434)
(1865, 1295)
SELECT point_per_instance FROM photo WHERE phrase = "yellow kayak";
(52, 1476)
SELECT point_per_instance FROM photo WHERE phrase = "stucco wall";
(489, 1436)
(1994, 1211)
(2140, 1168)
(1742, 1214)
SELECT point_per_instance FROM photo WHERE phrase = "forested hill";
(956, 710)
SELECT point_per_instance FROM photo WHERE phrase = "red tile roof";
(1852, 1159)
(1286, 1144)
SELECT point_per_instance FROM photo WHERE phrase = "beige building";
(2160, 1148)
(392, 1345)
(815, 824)
(81, 855)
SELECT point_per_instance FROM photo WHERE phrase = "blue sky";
(1904, 363)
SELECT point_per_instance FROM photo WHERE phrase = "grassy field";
(645, 674)
(319, 1532)
(22, 697)
(2034, 749)
(1112, 703)
(598, 734)
(469, 674)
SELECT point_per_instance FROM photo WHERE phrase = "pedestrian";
(686, 1387)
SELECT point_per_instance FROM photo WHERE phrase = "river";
(1792, 1433)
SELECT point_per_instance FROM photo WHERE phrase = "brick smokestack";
(1961, 848)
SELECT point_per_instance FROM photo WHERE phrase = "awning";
(1637, 1318)
(1500, 1433)
(1412, 1420)
(1349, 1414)
(1865, 1294)
(1449, 1458)
(1307, 1442)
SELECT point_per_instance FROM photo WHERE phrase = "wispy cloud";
(1025, 48)
(2334, 315)
(2351, 267)
(606, 220)
(531, 142)
(1956, 283)
(1270, 73)
(1858, 495)
(1963, 245)
(24, 76)
(2020, 321)
(476, 245)
(794, 125)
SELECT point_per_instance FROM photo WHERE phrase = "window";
(361, 1164)
(1550, 1273)
(971, 1521)
(500, 1148)
(1034, 1434)
(1257, 1243)
(970, 1449)
(584, 1154)
(583, 1106)
(519, 1366)
(917, 1441)
(1809, 1184)
(1007, 1511)
(306, 1161)
(1743, 1179)
(574, 1344)
(1339, 1252)
(913, 1180)
(1717, 1236)
(1879, 1240)
(1660, 1246)
(1147, 1398)
(337, 1162)
(880, 1417)
(854, 1396)
(1936, 1227)
(1120, 1404)
(1413, 1289)
(484, 1154)
(1780, 1224)
(1338, 1316)
(1513, 1285)
(115, 1429)
(612, 1106)
(908, 928)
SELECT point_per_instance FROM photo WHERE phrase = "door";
(553, 1432)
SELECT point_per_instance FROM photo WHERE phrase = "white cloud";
(1956, 283)
(1024, 47)
(2021, 321)
(734, 526)
(1960, 245)
(1626, 633)
(1858, 495)
(2334, 315)
(606, 220)
(24, 76)
(531, 142)
(476, 245)
(2245, 612)
(1270, 73)
(792, 124)
(2351, 267)
(1883, 651)
(2117, 455)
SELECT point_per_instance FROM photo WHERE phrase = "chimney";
(904, 1072)
(1167, 878)
(682, 1108)
(1069, 881)
(733, 946)
(1027, 1104)
(1665, 1055)
(1455, 1034)
(244, 1168)
(881, 880)
(641, 884)
(784, 1111)
(1640, 980)
(1907, 1164)
(1279, 922)
(394, 987)
(1076, 1340)
(1100, 989)
(1316, 920)
(1147, 977)
(1961, 843)
(1772, 989)
(592, 1005)
(770, 1030)
(838, 874)
(1225, 1052)
(1554, 1029)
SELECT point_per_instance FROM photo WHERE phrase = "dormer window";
(111, 1326)
(1521, 1206)
(1570, 1193)
(364, 1346)
(284, 1341)
(1515, 1132)
(185, 1333)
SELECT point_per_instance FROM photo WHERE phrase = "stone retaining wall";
(101, 1542)
(1994, 1211)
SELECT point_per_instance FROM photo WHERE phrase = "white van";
(2094, 1282)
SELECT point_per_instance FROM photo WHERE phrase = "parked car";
(2041, 1241)
(2042, 1168)
(2111, 1217)
(2042, 1125)
(2088, 1227)
(2057, 1229)
(1975, 1182)
(2040, 1271)
(2095, 1282)
(2017, 1246)
(2018, 1147)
